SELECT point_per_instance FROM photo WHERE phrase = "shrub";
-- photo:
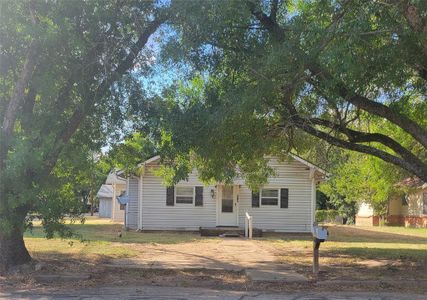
(326, 215)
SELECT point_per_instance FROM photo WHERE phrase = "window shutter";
(284, 198)
(255, 199)
(170, 195)
(199, 196)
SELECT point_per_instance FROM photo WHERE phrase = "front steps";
(226, 231)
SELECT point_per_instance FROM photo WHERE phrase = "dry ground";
(395, 256)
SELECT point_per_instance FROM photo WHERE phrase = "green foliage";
(326, 215)
(231, 111)
(360, 178)
(127, 155)
(76, 100)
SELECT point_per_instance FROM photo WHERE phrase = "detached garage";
(105, 196)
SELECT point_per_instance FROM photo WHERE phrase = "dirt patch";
(234, 254)
(214, 279)
(370, 263)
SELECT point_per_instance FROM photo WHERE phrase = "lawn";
(363, 253)
(351, 253)
(346, 244)
(100, 240)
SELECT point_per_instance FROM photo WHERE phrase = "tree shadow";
(110, 233)
(354, 234)
(403, 254)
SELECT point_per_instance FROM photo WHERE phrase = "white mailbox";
(320, 233)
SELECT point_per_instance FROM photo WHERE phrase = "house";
(409, 209)
(105, 196)
(109, 206)
(404, 209)
(365, 216)
(285, 204)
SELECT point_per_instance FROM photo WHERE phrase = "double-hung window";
(269, 197)
(184, 195)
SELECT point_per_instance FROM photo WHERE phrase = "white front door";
(227, 206)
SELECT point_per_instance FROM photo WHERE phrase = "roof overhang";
(312, 166)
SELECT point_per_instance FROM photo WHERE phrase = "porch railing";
(248, 226)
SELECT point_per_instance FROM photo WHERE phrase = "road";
(179, 293)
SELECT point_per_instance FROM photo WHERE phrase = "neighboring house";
(285, 204)
(408, 209)
(365, 216)
(109, 206)
(105, 196)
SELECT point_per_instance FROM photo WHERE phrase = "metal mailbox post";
(320, 234)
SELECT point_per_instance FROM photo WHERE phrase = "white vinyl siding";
(156, 215)
(294, 176)
(132, 209)
(105, 207)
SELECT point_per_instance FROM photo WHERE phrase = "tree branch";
(16, 101)
(418, 169)
(267, 22)
(375, 108)
(363, 137)
(273, 9)
(88, 106)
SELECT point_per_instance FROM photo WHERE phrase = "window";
(227, 199)
(425, 203)
(405, 200)
(184, 194)
(269, 197)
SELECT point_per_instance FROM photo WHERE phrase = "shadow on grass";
(353, 234)
(109, 233)
(414, 255)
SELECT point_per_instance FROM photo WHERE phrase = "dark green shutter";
(170, 195)
(255, 199)
(199, 196)
(284, 198)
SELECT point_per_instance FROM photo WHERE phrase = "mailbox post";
(320, 234)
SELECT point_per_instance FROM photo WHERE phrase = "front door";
(227, 206)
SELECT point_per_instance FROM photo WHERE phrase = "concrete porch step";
(228, 231)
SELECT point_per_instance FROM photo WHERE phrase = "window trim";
(176, 195)
(269, 205)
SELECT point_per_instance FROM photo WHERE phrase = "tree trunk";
(12, 250)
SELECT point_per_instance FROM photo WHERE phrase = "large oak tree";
(274, 72)
(64, 68)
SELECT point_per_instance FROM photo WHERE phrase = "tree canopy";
(271, 75)
(255, 78)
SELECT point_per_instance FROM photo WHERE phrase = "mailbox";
(320, 233)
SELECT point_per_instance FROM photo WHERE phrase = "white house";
(105, 196)
(285, 204)
(109, 207)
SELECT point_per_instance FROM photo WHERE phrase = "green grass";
(100, 240)
(346, 245)
(353, 243)
(419, 232)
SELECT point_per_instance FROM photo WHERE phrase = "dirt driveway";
(257, 258)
